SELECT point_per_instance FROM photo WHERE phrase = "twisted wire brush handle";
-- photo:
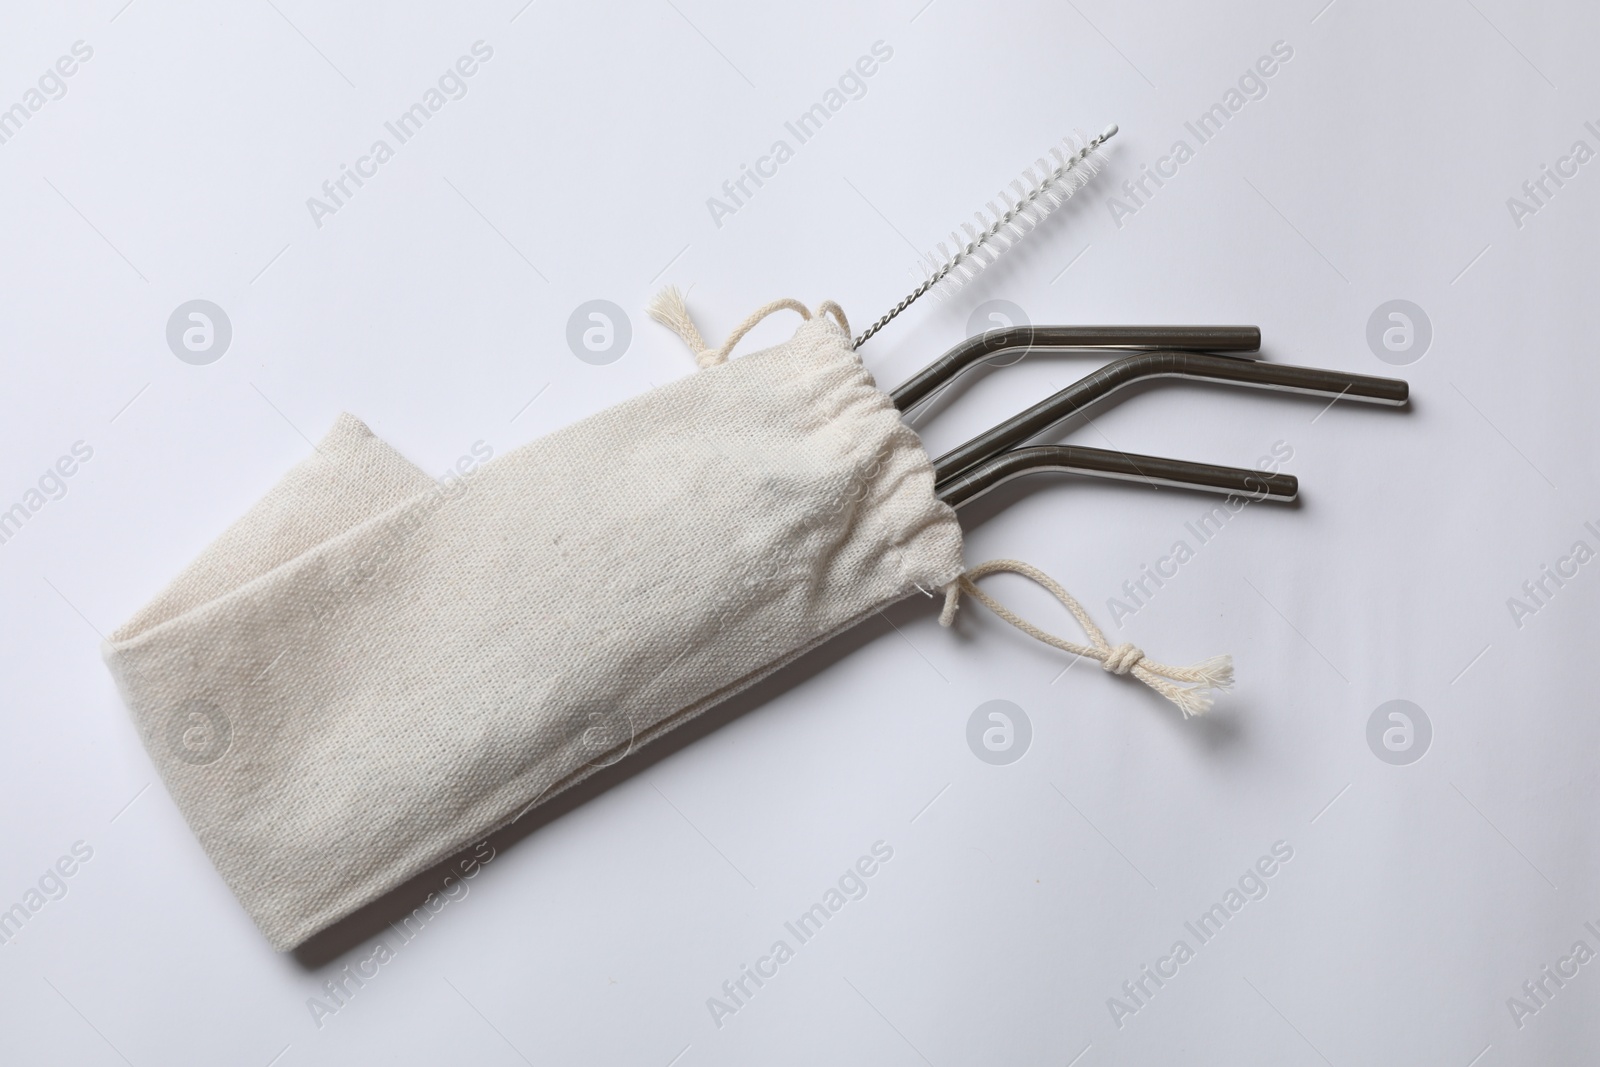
(963, 253)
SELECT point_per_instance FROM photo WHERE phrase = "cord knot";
(1122, 659)
(1193, 697)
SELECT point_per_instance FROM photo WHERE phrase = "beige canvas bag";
(369, 671)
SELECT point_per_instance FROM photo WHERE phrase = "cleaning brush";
(1020, 207)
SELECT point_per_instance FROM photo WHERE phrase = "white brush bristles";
(1020, 207)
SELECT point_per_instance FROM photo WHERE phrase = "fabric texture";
(369, 671)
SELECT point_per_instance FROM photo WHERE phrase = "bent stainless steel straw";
(1146, 366)
(1244, 341)
(1015, 463)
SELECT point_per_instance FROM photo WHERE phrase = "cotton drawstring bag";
(369, 671)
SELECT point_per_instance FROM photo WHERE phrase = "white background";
(434, 305)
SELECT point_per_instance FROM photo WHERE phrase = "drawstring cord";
(669, 309)
(1193, 699)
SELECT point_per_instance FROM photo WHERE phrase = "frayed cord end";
(669, 309)
(1193, 702)
(1209, 676)
(1216, 672)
